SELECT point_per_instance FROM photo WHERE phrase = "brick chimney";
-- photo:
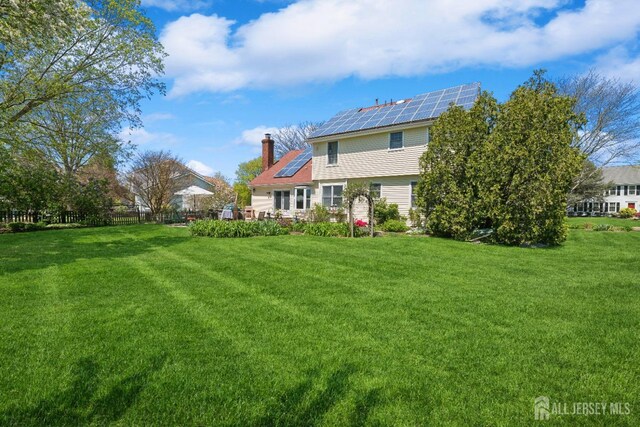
(267, 152)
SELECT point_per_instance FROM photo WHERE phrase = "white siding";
(368, 156)
(261, 201)
(395, 189)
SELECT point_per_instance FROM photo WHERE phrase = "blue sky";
(238, 68)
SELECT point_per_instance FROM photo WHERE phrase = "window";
(612, 191)
(413, 194)
(303, 198)
(375, 190)
(332, 153)
(395, 140)
(632, 190)
(332, 195)
(614, 207)
(428, 137)
(282, 200)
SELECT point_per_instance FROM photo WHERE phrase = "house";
(380, 144)
(190, 187)
(623, 193)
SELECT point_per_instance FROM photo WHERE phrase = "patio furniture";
(249, 214)
(261, 216)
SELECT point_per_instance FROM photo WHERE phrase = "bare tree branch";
(155, 176)
(293, 137)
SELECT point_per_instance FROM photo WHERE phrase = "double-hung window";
(332, 195)
(375, 190)
(632, 190)
(332, 153)
(282, 200)
(395, 140)
(303, 198)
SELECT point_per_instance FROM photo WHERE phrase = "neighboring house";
(624, 192)
(380, 144)
(192, 187)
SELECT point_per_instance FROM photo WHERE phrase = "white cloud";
(328, 40)
(157, 117)
(141, 136)
(620, 63)
(200, 167)
(178, 5)
(253, 137)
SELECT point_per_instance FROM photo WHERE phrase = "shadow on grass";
(305, 405)
(58, 247)
(80, 404)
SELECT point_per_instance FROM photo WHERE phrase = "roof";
(622, 174)
(302, 176)
(420, 108)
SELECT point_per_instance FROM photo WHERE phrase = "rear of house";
(380, 144)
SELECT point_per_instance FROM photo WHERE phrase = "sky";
(237, 69)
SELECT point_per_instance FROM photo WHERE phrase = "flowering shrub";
(627, 212)
(360, 223)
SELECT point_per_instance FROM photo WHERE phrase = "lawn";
(146, 325)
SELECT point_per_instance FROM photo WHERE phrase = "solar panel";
(421, 107)
(294, 165)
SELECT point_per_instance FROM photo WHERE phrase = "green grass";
(145, 325)
(618, 222)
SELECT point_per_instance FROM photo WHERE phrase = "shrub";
(297, 226)
(575, 226)
(360, 223)
(327, 229)
(627, 213)
(64, 226)
(30, 226)
(16, 227)
(383, 212)
(319, 213)
(415, 218)
(219, 228)
(588, 225)
(340, 215)
(603, 227)
(394, 225)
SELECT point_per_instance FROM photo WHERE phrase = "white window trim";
(329, 184)
(304, 200)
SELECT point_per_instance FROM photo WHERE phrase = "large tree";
(507, 166)
(245, 172)
(449, 189)
(612, 111)
(529, 164)
(293, 137)
(611, 133)
(66, 48)
(155, 177)
(70, 132)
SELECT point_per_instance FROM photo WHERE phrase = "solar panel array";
(294, 165)
(426, 106)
